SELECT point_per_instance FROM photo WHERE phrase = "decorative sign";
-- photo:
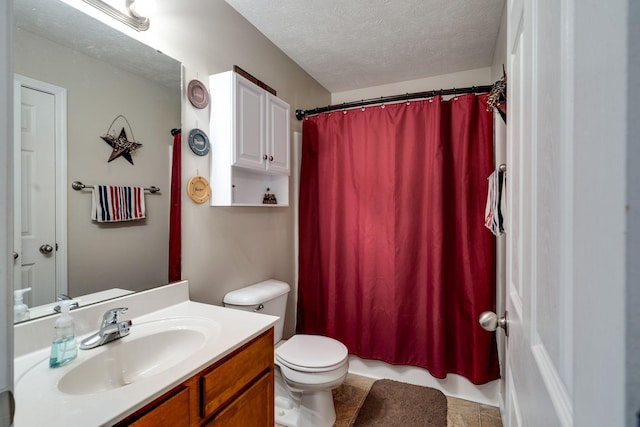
(120, 144)
(198, 189)
(198, 142)
(198, 94)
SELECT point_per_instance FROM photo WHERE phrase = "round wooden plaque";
(198, 189)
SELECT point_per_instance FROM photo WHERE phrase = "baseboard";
(453, 385)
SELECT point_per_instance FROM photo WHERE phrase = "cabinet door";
(173, 412)
(250, 126)
(219, 385)
(253, 408)
(278, 131)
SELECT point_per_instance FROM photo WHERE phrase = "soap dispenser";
(20, 309)
(64, 348)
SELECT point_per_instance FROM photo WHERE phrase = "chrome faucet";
(112, 329)
(63, 297)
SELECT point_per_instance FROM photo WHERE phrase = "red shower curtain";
(395, 261)
(175, 213)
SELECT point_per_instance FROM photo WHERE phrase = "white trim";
(567, 99)
(516, 301)
(532, 177)
(513, 411)
(295, 202)
(556, 389)
(16, 188)
(60, 96)
(6, 208)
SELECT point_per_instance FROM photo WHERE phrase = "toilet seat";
(312, 353)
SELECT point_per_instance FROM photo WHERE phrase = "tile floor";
(460, 413)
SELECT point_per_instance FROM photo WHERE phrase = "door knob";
(15, 255)
(490, 321)
(46, 249)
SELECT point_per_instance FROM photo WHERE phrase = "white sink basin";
(150, 349)
(167, 345)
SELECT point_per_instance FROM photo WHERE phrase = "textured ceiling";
(69, 27)
(351, 44)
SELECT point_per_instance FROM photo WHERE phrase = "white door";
(538, 369)
(40, 197)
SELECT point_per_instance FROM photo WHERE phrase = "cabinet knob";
(264, 157)
(271, 158)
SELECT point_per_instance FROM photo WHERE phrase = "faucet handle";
(111, 316)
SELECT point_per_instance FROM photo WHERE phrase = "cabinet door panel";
(250, 126)
(253, 408)
(173, 412)
(218, 386)
(278, 131)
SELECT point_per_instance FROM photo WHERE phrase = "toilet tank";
(268, 297)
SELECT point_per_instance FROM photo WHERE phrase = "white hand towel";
(493, 218)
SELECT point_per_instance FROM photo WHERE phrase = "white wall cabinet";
(250, 143)
(250, 118)
(278, 131)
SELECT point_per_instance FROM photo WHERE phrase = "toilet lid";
(311, 352)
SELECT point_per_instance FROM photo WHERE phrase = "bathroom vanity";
(235, 391)
(183, 364)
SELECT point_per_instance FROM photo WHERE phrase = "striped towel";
(493, 218)
(111, 204)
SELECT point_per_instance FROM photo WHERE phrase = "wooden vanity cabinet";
(236, 391)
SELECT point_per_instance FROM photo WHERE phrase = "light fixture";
(136, 15)
(142, 9)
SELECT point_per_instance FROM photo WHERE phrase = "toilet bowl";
(307, 367)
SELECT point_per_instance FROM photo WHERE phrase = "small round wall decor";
(197, 94)
(198, 189)
(198, 142)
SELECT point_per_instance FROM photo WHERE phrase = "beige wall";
(128, 255)
(500, 49)
(227, 248)
(477, 77)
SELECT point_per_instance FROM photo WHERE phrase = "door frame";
(60, 106)
(6, 214)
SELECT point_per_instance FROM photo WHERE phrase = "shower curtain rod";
(300, 114)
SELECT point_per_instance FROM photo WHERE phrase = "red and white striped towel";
(112, 204)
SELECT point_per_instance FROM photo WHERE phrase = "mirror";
(88, 74)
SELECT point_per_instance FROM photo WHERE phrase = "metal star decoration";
(121, 146)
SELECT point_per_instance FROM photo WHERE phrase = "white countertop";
(39, 402)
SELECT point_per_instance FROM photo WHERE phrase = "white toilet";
(307, 366)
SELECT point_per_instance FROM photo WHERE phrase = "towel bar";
(77, 185)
